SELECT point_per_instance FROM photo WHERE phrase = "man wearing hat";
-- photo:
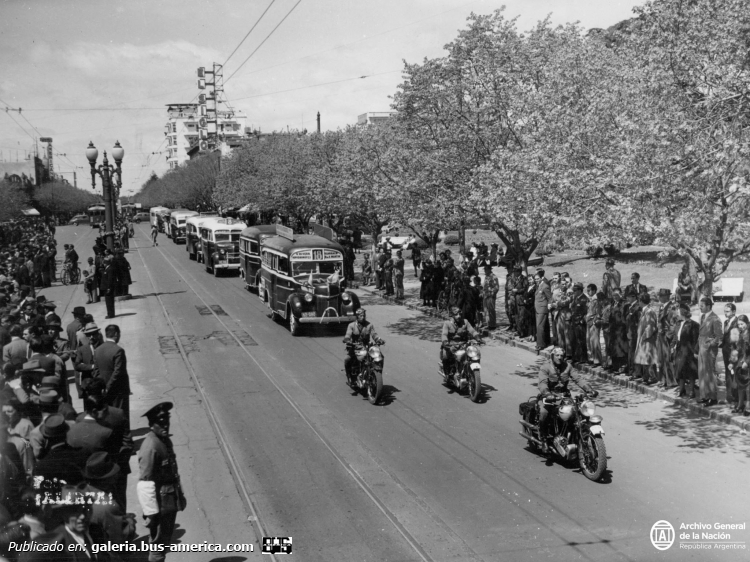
(78, 313)
(84, 358)
(109, 285)
(110, 365)
(542, 300)
(108, 516)
(685, 348)
(490, 288)
(159, 490)
(59, 460)
(75, 535)
(49, 403)
(579, 305)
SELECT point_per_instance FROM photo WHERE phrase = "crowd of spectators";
(648, 335)
(63, 473)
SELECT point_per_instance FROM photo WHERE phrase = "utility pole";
(318, 122)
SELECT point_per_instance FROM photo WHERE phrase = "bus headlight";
(308, 297)
(345, 297)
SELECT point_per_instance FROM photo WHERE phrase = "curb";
(620, 380)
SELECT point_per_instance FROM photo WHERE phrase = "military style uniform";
(159, 490)
(578, 309)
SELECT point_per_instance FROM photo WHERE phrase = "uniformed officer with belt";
(159, 490)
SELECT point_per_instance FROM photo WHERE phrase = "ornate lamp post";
(105, 171)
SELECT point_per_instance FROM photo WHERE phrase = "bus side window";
(253, 247)
(284, 264)
(275, 262)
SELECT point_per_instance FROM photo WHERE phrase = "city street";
(427, 475)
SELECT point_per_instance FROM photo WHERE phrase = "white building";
(372, 117)
(182, 130)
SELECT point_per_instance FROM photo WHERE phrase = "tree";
(14, 200)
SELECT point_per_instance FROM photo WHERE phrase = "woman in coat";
(648, 330)
(122, 267)
(685, 350)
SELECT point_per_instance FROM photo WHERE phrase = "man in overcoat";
(710, 337)
(111, 366)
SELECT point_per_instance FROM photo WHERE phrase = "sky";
(103, 71)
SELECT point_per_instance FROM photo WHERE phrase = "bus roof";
(159, 209)
(97, 207)
(200, 219)
(254, 231)
(281, 244)
(218, 223)
(183, 213)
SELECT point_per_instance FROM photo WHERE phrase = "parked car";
(78, 219)
(140, 217)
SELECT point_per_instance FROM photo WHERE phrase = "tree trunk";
(462, 237)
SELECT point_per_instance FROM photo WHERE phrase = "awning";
(30, 212)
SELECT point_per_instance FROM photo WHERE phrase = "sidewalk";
(721, 412)
(215, 512)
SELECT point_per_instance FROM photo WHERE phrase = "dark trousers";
(109, 300)
(161, 533)
(542, 330)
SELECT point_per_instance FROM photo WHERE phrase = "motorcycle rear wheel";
(475, 385)
(592, 457)
(374, 386)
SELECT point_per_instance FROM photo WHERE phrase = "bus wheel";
(295, 328)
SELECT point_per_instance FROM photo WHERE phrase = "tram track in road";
(436, 434)
(226, 447)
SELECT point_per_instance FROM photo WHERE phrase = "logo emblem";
(662, 535)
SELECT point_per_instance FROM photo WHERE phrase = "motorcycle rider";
(359, 332)
(457, 329)
(554, 377)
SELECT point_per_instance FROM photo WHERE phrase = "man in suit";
(17, 350)
(110, 365)
(710, 337)
(109, 285)
(542, 300)
(59, 460)
(84, 358)
(108, 517)
(74, 536)
(730, 311)
(611, 279)
(635, 287)
(72, 329)
(685, 349)
(5, 325)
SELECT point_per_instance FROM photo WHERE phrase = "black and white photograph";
(395, 281)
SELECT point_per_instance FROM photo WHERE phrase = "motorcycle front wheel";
(374, 386)
(475, 385)
(592, 457)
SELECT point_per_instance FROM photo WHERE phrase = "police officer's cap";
(158, 412)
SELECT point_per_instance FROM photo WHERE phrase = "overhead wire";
(249, 32)
(264, 40)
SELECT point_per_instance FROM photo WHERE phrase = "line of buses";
(298, 276)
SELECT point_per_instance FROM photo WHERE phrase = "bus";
(250, 240)
(155, 214)
(301, 280)
(96, 215)
(220, 244)
(177, 224)
(192, 236)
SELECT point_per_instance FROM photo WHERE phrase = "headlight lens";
(595, 419)
(345, 297)
(308, 297)
(588, 408)
(473, 352)
(375, 354)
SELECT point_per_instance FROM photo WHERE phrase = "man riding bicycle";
(360, 332)
(455, 329)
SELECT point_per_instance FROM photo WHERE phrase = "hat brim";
(115, 469)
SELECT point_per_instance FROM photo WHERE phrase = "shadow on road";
(146, 295)
(425, 328)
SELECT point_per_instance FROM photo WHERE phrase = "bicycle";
(70, 275)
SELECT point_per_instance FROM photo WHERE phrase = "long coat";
(616, 329)
(666, 318)
(110, 365)
(648, 330)
(686, 350)
(709, 338)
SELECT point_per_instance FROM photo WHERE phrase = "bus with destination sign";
(301, 280)
(250, 240)
(220, 244)
(177, 224)
(192, 236)
(157, 216)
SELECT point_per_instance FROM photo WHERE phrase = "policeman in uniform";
(159, 490)
(455, 329)
(358, 332)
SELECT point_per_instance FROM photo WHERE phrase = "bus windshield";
(307, 267)
(221, 237)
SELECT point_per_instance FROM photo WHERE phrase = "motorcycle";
(573, 428)
(367, 370)
(465, 375)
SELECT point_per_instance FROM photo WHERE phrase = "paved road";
(429, 475)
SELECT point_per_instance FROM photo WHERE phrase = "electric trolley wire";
(249, 32)
(262, 42)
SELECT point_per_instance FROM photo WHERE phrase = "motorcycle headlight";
(375, 354)
(588, 408)
(308, 297)
(596, 419)
(473, 352)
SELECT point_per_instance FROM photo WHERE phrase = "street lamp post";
(105, 171)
